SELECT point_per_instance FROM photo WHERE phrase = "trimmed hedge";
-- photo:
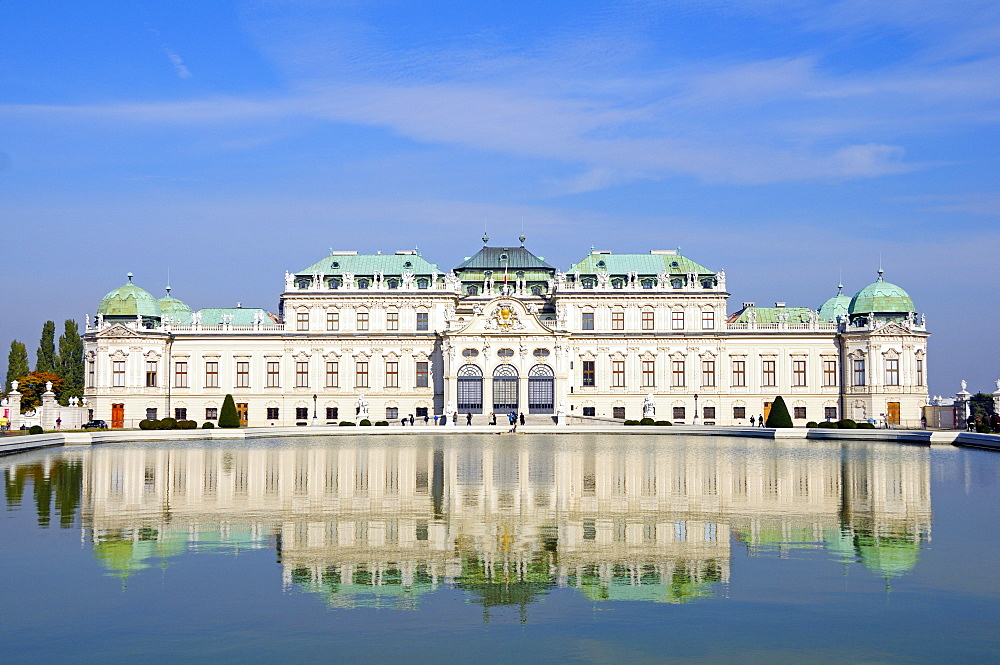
(846, 423)
(168, 423)
(811, 424)
(35, 429)
(647, 421)
(228, 416)
(145, 423)
(631, 422)
(865, 425)
(187, 424)
(208, 425)
(365, 423)
(664, 423)
(829, 424)
(382, 423)
(346, 423)
(778, 416)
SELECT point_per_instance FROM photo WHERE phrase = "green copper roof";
(644, 264)
(129, 300)
(770, 314)
(881, 297)
(368, 264)
(242, 316)
(835, 306)
(177, 310)
(499, 258)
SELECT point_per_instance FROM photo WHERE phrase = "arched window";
(422, 283)
(677, 283)
(647, 283)
(536, 290)
(363, 283)
(393, 284)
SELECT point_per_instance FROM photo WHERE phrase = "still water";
(501, 549)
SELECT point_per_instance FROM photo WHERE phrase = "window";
(391, 412)
(769, 373)
(180, 413)
(212, 374)
(740, 373)
(540, 353)
(505, 353)
(211, 413)
(588, 321)
(708, 373)
(473, 290)
(739, 413)
(422, 321)
(392, 375)
(677, 374)
(92, 373)
(469, 353)
(422, 283)
(920, 372)
(302, 374)
(332, 413)
(618, 320)
(243, 374)
(798, 372)
(362, 320)
(272, 413)
(708, 319)
(618, 373)
(361, 375)
(363, 283)
(392, 320)
(421, 411)
(150, 373)
(679, 413)
(273, 374)
(708, 412)
(677, 320)
(648, 374)
(333, 320)
(859, 372)
(891, 372)
(799, 412)
(588, 373)
(422, 374)
(180, 375)
(830, 412)
(829, 372)
(618, 412)
(301, 412)
(332, 374)
(150, 413)
(302, 320)
(590, 411)
(648, 322)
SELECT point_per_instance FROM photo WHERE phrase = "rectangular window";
(332, 374)
(648, 322)
(618, 320)
(739, 413)
(150, 413)
(332, 413)
(618, 373)
(830, 412)
(590, 411)
(118, 373)
(588, 373)
(859, 372)
(211, 374)
(708, 413)
(302, 413)
(150, 373)
(422, 378)
(362, 320)
(422, 321)
(421, 411)
(708, 373)
(920, 372)
(211, 413)
(769, 373)
(272, 413)
(677, 374)
(618, 412)
(243, 374)
(392, 375)
(891, 372)
(302, 321)
(391, 412)
(708, 319)
(273, 374)
(302, 374)
(677, 320)
(798, 372)
(333, 320)
(392, 320)
(648, 373)
(180, 413)
(361, 375)
(679, 413)
(92, 373)
(588, 321)
(740, 373)
(799, 412)
(180, 375)
(829, 372)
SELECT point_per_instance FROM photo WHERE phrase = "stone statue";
(998, 385)
(100, 321)
(964, 385)
(648, 406)
(362, 407)
(196, 319)
(603, 279)
(48, 387)
(86, 324)
(289, 281)
(13, 386)
(407, 279)
(477, 309)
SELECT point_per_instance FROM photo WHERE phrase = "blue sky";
(225, 142)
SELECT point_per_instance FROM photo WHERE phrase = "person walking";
(753, 422)
(426, 419)
(493, 418)
(522, 417)
(411, 420)
(435, 419)
(760, 420)
(468, 418)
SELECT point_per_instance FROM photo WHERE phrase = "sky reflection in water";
(579, 549)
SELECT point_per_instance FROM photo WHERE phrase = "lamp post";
(694, 421)
(315, 421)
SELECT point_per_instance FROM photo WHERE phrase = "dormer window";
(363, 283)
(601, 264)
(422, 283)
(473, 290)
(707, 283)
(677, 283)
(393, 284)
(674, 264)
(503, 257)
(617, 284)
(647, 283)
(334, 283)
(408, 264)
(536, 290)
(588, 283)
(335, 264)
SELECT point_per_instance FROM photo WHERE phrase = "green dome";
(128, 301)
(177, 310)
(836, 306)
(881, 297)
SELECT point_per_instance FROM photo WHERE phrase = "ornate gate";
(505, 389)
(541, 389)
(470, 389)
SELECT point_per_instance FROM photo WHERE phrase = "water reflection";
(382, 522)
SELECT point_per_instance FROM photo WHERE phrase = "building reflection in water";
(507, 518)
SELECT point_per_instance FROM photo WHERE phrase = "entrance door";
(892, 413)
(767, 410)
(117, 416)
(241, 411)
(505, 389)
(541, 390)
(470, 389)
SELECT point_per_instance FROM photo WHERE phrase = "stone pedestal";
(996, 398)
(49, 411)
(14, 405)
(962, 407)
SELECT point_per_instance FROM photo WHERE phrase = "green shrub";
(778, 417)
(829, 424)
(382, 423)
(647, 421)
(346, 423)
(365, 423)
(35, 429)
(663, 423)
(168, 423)
(984, 428)
(846, 423)
(187, 424)
(631, 422)
(228, 417)
(811, 424)
(145, 423)
(208, 425)
(865, 425)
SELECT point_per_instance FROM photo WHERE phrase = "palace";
(616, 336)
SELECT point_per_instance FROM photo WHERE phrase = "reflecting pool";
(501, 549)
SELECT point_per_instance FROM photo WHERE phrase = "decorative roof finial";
(880, 271)
(521, 238)
(129, 278)
(486, 238)
(168, 289)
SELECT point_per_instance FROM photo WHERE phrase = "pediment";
(118, 330)
(892, 328)
(503, 316)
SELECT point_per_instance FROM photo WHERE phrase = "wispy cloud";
(179, 66)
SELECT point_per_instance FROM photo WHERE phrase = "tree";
(228, 416)
(778, 416)
(33, 385)
(46, 357)
(981, 405)
(71, 361)
(17, 364)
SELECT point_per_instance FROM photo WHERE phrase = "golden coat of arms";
(505, 317)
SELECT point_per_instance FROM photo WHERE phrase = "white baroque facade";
(506, 332)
